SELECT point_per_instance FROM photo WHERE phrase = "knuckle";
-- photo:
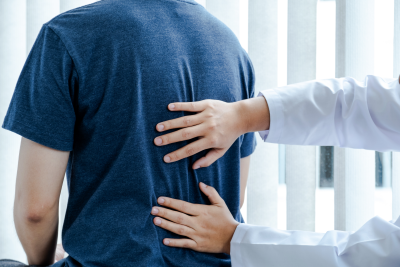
(181, 231)
(180, 219)
(213, 141)
(186, 122)
(212, 126)
(186, 244)
(190, 151)
(186, 134)
(193, 105)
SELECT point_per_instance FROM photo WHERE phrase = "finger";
(174, 227)
(187, 151)
(212, 156)
(211, 193)
(182, 122)
(171, 215)
(179, 205)
(180, 243)
(179, 136)
(188, 106)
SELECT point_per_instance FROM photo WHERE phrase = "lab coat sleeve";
(376, 243)
(336, 112)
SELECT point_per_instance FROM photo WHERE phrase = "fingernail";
(158, 141)
(160, 127)
(196, 167)
(161, 201)
(166, 242)
(167, 159)
(172, 106)
(154, 211)
(157, 221)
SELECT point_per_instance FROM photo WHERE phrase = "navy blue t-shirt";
(96, 83)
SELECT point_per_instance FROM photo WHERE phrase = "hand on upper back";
(209, 228)
(217, 125)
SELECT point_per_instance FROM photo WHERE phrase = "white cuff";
(276, 116)
(236, 255)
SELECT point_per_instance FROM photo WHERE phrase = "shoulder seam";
(66, 49)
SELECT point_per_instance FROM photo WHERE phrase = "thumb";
(211, 193)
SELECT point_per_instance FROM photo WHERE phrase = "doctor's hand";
(217, 125)
(208, 228)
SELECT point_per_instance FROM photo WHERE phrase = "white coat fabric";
(334, 112)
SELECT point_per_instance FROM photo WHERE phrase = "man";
(88, 98)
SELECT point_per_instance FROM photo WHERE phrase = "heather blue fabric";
(96, 83)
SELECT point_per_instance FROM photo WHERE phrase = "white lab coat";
(334, 112)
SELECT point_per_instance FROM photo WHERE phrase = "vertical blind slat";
(301, 160)
(395, 185)
(396, 60)
(354, 171)
(264, 168)
(12, 57)
(396, 155)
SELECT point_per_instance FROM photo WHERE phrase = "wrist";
(254, 115)
(227, 247)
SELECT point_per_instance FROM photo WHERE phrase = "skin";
(39, 180)
(206, 228)
(217, 126)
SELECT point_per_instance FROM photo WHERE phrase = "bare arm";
(40, 175)
(244, 175)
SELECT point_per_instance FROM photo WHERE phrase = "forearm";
(333, 249)
(37, 233)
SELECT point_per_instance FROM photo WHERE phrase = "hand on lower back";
(208, 228)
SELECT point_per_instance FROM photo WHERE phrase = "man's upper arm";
(39, 180)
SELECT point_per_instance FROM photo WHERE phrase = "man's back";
(116, 65)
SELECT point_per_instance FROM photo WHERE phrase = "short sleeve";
(42, 108)
(248, 146)
(249, 143)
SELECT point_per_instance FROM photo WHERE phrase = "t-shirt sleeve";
(249, 142)
(42, 108)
